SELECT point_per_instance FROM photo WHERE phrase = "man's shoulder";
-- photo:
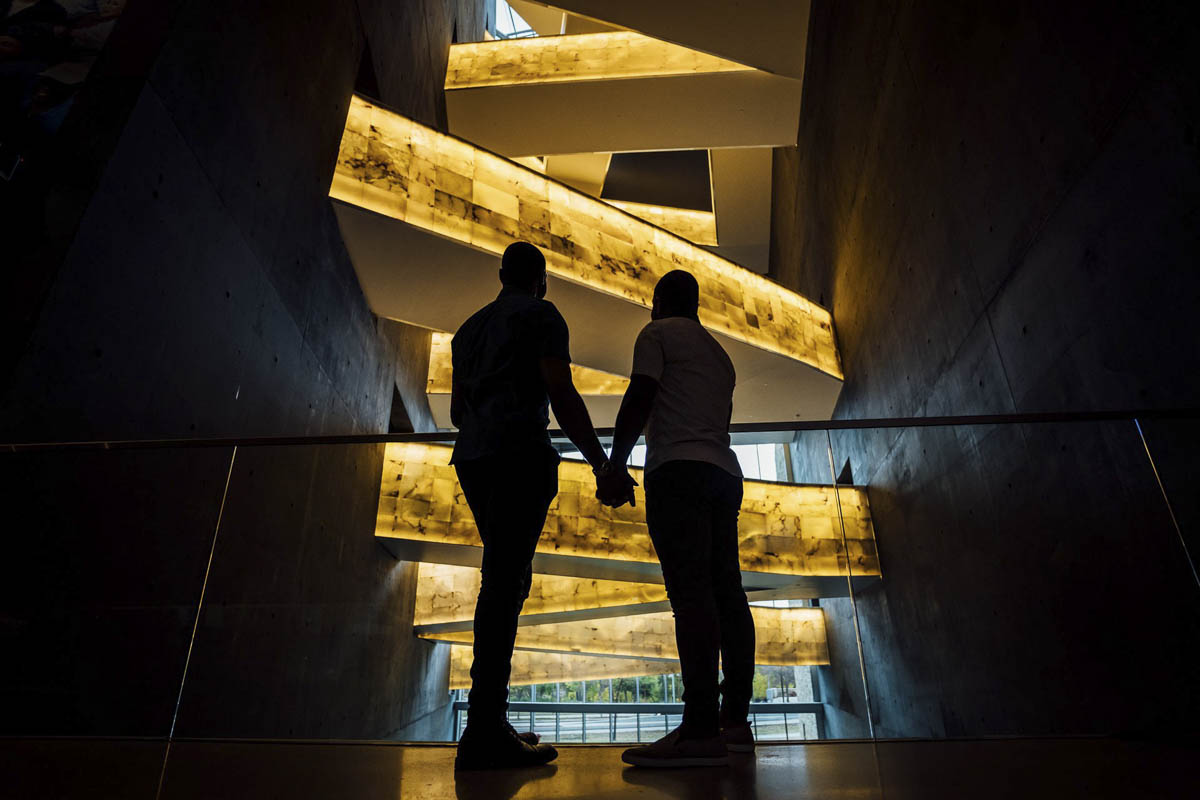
(673, 328)
(472, 322)
(545, 313)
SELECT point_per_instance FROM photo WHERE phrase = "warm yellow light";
(441, 369)
(783, 636)
(393, 166)
(530, 667)
(577, 57)
(587, 381)
(783, 529)
(447, 593)
(695, 226)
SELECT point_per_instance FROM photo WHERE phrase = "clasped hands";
(614, 485)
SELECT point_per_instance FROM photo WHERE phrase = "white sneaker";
(672, 751)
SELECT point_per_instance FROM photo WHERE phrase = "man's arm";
(455, 402)
(633, 416)
(614, 487)
(568, 407)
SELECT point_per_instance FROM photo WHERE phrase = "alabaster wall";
(783, 529)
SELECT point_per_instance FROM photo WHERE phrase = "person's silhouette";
(681, 391)
(511, 362)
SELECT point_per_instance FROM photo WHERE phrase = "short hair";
(521, 264)
(678, 293)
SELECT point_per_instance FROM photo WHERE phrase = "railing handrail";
(1030, 418)
(641, 707)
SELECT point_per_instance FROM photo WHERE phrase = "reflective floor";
(1057, 768)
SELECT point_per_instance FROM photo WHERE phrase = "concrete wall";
(203, 290)
(999, 204)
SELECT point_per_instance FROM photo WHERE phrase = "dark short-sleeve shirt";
(495, 354)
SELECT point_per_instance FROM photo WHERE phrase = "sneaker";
(529, 737)
(738, 738)
(672, 751)
(499, 748)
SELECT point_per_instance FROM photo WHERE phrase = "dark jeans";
(509, 498)
(692, 511)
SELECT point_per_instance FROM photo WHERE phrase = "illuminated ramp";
(425, 217)
(771, 35)
(529, 667)
(446, 594)
(614, 91)
(587, 628)
(800, 538)
(783, 637)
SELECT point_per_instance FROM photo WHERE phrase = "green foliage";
(760, 685)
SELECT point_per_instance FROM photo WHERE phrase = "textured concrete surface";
(999, 205)
(306, 630)
(191, 281)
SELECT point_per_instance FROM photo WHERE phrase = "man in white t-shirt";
(681, 392)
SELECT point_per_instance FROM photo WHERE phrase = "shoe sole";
(642, 761)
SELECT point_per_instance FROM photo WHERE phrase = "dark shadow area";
(675, 178)
(66, 769)
(1017, 597)
(307, 625)
(104, 558)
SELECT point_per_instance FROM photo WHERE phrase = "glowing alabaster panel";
(391, 165)
(784, 529)
(530, 667)
(695, 226)
(782, 637)
(587, 381)
(580, 57)
(447, 593)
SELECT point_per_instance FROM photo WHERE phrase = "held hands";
(614, 485)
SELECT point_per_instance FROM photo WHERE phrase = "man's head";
(524, 267)
(676, 295)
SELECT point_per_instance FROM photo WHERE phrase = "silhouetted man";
(511, 362)
(681, 392)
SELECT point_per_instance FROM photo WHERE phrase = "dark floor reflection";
(498, 784)
(737, 782)
(1099, 769)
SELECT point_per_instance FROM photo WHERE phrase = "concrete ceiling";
(676, 178)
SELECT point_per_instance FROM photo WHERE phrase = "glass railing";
(983, 576)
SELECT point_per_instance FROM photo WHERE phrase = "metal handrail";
(641, 708)
(752, 427)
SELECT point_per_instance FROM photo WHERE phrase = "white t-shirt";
(690, 417)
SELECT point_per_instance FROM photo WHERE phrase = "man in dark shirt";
(511, 364)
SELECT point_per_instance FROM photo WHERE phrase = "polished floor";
(1019, 768)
